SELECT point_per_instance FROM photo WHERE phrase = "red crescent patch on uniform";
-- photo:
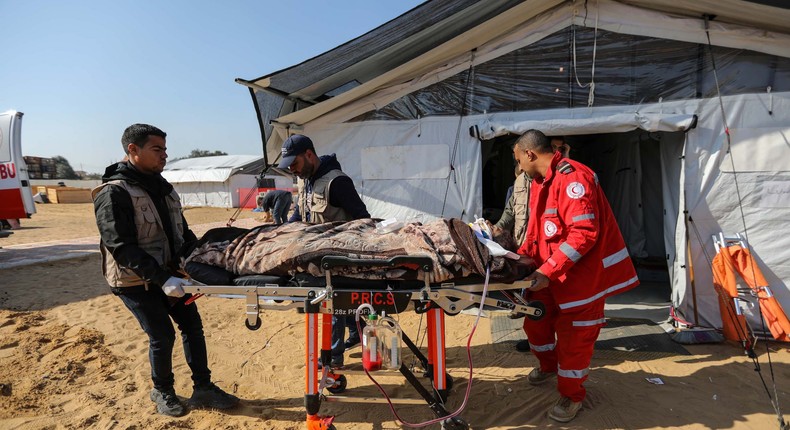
(575, 190)
(549, 228)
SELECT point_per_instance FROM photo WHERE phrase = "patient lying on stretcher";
(293, 248)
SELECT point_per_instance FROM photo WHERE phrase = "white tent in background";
(216, 181)
(421, 112)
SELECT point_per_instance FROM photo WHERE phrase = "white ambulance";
(16, 197)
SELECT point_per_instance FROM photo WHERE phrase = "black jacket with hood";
(115, 219)
(342, 194)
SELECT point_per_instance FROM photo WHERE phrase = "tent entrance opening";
(639, 172)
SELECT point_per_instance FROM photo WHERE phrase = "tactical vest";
(317, 204)
(151, 236)
(520, 207)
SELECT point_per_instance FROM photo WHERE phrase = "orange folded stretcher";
(732, 259)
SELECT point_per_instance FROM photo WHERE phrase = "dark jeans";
(339, 324)
(153, 312)
(281, 208)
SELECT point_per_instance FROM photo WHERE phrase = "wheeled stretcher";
(323, 297)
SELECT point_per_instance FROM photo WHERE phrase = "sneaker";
(211, 396)
(564, 410)
(538, 377)
(351, 342)
(167, 403)
(522, 346)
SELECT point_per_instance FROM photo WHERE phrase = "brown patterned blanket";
(292, 248)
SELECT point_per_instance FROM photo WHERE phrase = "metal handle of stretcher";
(424, 263)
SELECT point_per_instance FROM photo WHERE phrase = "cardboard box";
(69, 195)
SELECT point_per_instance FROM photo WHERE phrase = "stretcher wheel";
(454, 423)
(339, 386)
(255, 326)
(540, 310)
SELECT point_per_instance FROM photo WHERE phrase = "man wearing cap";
(326, 194)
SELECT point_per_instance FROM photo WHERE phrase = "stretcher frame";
(435, 301)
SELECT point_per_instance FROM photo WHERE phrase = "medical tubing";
(468, 356)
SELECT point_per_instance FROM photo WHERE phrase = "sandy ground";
(72, 357)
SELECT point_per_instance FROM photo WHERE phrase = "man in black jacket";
(142, 228)
(325, 194)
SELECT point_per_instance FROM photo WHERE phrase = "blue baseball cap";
(293, 146)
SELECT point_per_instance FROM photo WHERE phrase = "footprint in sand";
(8, 350)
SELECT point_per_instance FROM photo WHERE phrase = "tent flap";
(618, 123)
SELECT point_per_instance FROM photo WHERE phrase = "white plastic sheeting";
(208, 169)
(215, 194)
(215, 181)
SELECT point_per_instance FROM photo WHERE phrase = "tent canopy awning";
(436, 39)
(435, 22)
(618, 123)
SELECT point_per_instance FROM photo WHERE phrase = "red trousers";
(563, 342)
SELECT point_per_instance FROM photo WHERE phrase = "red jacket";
(574, 239)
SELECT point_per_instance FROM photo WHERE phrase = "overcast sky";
(82, 71)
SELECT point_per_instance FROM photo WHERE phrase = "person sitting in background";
(278, 203)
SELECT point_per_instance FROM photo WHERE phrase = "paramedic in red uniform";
(573, 237)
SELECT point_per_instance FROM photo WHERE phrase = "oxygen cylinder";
(371, 347)
(389, 335)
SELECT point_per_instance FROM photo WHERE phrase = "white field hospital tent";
(216, 181)
(422, 111)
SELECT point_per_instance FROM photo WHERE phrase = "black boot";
(167, 403)
(211, 396)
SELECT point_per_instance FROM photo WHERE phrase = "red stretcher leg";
(312, 398)
(431, 340)
(311, 354)
(436, 353)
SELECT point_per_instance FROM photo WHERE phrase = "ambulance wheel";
(255, 326)
(340, 385)
(540, 310)
(455, 423)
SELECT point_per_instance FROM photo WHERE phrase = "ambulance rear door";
(16, 196)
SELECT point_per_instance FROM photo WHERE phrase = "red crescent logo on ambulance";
(549, 228)
(575, 190)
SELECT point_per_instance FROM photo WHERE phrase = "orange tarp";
(735, 259)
